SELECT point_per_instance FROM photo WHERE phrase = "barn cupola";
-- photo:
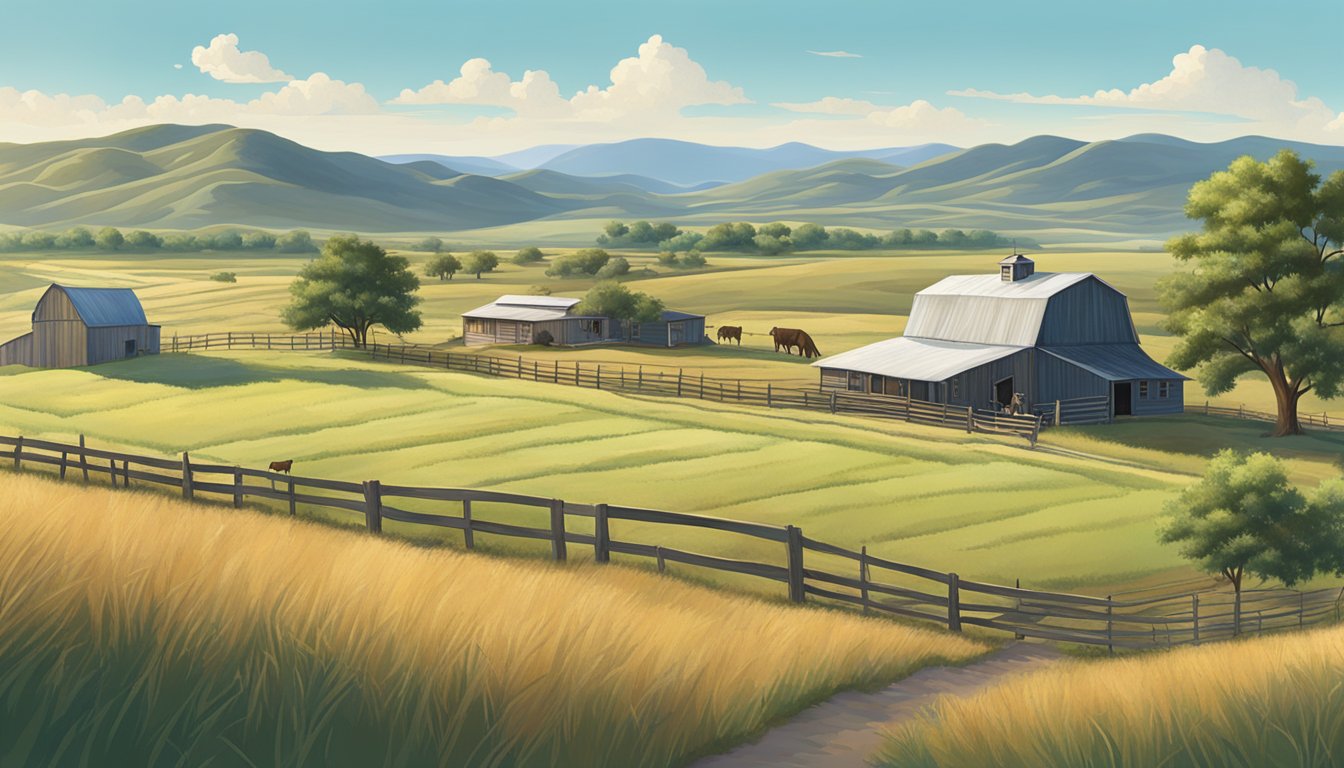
(1016, 267)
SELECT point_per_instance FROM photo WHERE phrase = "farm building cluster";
(523, 320)
(83, 326)
(985, 340)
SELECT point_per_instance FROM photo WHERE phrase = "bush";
(222, 241)
(429, 244)
(110, 239)
(667, 259)
(683, 242)
(39, 241)
(615, 267)
(297, 241)
(225, 277)
(734, 236)
(142, 240)
(770, 245)
(544, 338)
(583, 262)
(181, 243)
(691, 260)
(806, 237)
(528, 255)
(77, 237)
(259, 241)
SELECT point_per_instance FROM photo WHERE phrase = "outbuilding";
(83, 326)
(521, 319)
(979, 340)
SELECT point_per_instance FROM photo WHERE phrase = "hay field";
(170, 634)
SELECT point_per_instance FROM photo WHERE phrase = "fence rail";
(642, 380)
(811, 569)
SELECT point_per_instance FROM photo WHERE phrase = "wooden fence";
(1315, 421)
(810, 570)
(643, 380)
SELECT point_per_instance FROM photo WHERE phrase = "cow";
(730, 333)
(282, 466)
(788, 338)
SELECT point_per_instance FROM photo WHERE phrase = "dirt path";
(844, 731)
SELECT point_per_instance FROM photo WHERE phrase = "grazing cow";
(788, 338)
(731, 333)
(282, 466)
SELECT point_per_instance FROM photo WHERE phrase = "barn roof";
(1113, 362)
(533, 309)
(672, 315)
(551, 302)
(102, 307)
(919, 359)
(985, 309)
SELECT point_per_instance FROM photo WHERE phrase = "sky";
(477, 78)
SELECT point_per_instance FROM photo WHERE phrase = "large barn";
(83, 326)
(976, 340)
(520, 319)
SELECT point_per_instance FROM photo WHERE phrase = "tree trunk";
(1285, 398)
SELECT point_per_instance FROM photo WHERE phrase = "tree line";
(112, 239)
(777, 238)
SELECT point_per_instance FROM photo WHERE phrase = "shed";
(976, 340)
(83, 326)
(515, 319)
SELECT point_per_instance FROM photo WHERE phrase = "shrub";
(142, 240)
(297, 241)
(110, 239)
(582, 262)
(528, 255)
(429, 244)
(691, 260)
(615, 267)
(225, 277)
(259, 241)
(544, 338)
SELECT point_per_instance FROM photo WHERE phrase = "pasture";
(166, 634)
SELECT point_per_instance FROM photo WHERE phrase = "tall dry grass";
(137, 630)
(1269, 702)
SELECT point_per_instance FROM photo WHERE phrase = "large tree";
(444, 265)
(1244, 517)
(480, 261)
(1266, 292)
(354, 284)
(611, 299)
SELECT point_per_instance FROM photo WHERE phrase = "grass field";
(172, 634)
(1274, 702)
(985, 507)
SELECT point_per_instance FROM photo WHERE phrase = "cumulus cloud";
(837, 54)
(830, 105)
(921, 117)
(1204, 80)
(223, 60)
(658, 82)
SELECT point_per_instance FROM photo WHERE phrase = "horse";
(730, 333)
(788, 338)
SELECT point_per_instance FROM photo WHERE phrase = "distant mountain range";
(183, 177)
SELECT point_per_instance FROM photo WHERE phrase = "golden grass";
(1274, 701)
(136, 629)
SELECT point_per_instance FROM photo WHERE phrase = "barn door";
(1123, 398)
(1003, 392)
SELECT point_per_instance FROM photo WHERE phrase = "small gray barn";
(975, 340)
(83, 326)
(519, 319)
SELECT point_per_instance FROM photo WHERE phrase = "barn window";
(1164, 389)
(130, 347)
(855, 381)
(877, 384)
(1143, 390)
(591, 326)
(476, 326)
(956, 387)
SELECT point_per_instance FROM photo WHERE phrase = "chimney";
(1016, 267)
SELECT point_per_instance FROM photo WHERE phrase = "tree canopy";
(611, 299)
(442, 266)
(478, 262)
(1266, 291)
(1244, 517)
(354, 284)
(110, 239)
(586, 261)
(529, 255)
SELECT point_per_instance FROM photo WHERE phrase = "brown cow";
(282, 466)
(730, 333)
(788, 338)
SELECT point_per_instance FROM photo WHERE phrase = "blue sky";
(963, 73)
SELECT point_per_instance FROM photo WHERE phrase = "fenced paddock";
(783, 559)
(640, 380)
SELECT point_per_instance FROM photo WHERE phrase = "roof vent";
(1016, 267)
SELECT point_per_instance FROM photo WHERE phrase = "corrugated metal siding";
(918, 359)
(55, 304)
(17, 351)
(1060, 380)
(109, 307)
(976, 386)
(976, 319)
(1088, 312)
(1116, 362)
(1155, 404)
(109, 343)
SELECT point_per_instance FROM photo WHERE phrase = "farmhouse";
(976, 340)
(83, 326)
(520, 319)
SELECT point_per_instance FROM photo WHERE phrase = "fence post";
(230, 340)
(237, 487)
(112, 472)
(832, 402)
(293, 503)
(1194, 613)
(18, 453)
(662, 564)
(863, 576)
(1236, 615)
(83, 459)
(1018, 584)
(601, 535)
(1059, 410)
(125, 473)
(187, 491)
(1110, 632)
(970, 418)
(678, 382)
(702, 385)
(373, 506)
(64, 461)
(599, 375)
(768, 397)
(953, 602)
(641, 377)
(558, 548)
(468, 535)
(795, 549)
(1301, 607)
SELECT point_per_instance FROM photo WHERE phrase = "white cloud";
(478, 83)
(1205, 80)
(837, 54)
(223, 60)
(177, 66)
(921, 117)
(830, 105)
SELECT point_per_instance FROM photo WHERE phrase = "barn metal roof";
(984, 309)
(1113, 362)
(672, 315)
(919, 359)
(513, 300)
(494, 311)
(102, 307)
